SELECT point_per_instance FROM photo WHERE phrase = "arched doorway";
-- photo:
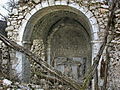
(65, 33)
(41, 26)
(70, 48)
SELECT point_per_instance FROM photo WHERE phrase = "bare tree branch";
(96, 60)
(42, 63)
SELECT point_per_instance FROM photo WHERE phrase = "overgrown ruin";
(67, 34)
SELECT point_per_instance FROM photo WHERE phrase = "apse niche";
(62, 38)
(70, 48)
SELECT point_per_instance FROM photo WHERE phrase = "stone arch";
(24, 38)
(84, 10)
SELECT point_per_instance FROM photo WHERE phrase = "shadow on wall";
(3, 25)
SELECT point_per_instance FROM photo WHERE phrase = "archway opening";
(61, 35)
(70, 49)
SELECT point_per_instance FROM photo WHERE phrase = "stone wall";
(4, 60)
(114, 56)
(4, 52)
(95, 11)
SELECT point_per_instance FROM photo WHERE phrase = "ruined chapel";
(67, 34)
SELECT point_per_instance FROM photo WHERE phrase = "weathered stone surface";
(8, 23)
(36, 1)
(9, 28)
(14, 22)
(15, 11)
(21, 16)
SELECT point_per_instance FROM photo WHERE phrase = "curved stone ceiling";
(43, 20)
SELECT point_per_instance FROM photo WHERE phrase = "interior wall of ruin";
(20, 15)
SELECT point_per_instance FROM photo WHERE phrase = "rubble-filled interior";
(65, 34)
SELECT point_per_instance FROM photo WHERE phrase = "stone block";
(24, 7)
(19, 22)
(36, 1)
(33, 11)
(28, 15)
(117, 11)
(93, 20)
(15, 11)
(102, 26)
(8, 23)
(95, 28)
(63, 2)
(105, 6)
(92, 8)
(83, 10)
(74, 5)
(16, 26)
(89, 14)
(14, 22)
(57, 2)
(103, 10)
(38, 7)
(9, 28)
(10, 34)
(45, 4)
(20, 17)
(24, 21)
(51, 2)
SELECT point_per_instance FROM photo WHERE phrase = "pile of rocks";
(6, 84)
